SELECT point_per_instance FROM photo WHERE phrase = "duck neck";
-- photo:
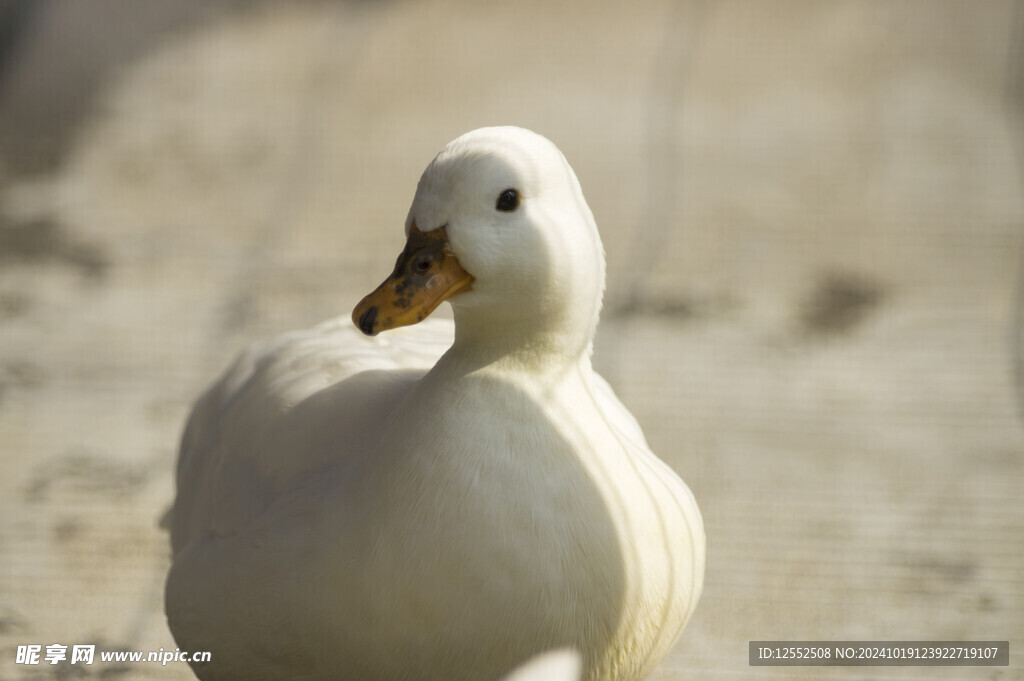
(532, 344)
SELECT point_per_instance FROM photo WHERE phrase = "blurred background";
(813, 215)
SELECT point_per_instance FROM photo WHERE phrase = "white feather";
(390, 508)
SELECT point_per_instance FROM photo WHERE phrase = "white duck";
(345, 511)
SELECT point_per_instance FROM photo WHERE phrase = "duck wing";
(288, 406)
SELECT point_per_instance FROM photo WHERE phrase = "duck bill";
(427, 273)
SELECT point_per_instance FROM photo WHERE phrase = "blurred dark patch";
(16, 20)
(67, 530)
(89, 473)
(12, 622)
(22, 374)
(238, 312)
(682, 307)
(43, 240)
(946, 570)
(987, 603)
(114, 670)
(56, 55)
(838, 303)
(13, 304)
(1015, 102)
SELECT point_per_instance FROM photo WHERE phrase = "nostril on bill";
(367, 320)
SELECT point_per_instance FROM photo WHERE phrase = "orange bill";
(426, 274)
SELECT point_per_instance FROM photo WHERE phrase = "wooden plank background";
(813, 216)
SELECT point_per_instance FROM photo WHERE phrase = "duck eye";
(508, 201)
(422, 263)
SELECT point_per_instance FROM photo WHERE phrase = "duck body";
(353, 508)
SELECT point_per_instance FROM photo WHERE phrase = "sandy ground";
(813, 218)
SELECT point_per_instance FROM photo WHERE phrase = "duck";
(402, 498)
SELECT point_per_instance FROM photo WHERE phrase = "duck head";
(499, 228)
